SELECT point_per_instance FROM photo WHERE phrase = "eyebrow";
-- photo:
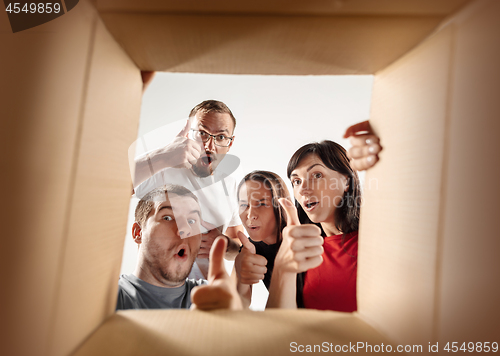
(165, 207)
(191, 212)
(244, 201)
(195, 212)
(204, 127)
(308, 169)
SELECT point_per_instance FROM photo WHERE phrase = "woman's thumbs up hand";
(302, 245)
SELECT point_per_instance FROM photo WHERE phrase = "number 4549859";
(32, 8)
(472, 347)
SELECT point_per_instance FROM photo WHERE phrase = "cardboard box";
(70, 104)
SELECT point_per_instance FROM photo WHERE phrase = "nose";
(183, 229)
(210, 144)
(304, 188)
(252, 213)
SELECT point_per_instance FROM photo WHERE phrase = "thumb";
(185, 130)
(216, 269)
(291, 212)
(246, 243)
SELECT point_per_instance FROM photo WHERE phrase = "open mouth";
(182, 253)
(311, 205)
(254, 228)
(206, 160)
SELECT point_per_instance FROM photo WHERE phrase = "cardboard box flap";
(184, 332)
(296, 7)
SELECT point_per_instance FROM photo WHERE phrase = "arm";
(208, 238)
(234, 243)
(244, 290)
(283, 290)
(300, 250)
(182, 152)
(249, 268)
(149, 164)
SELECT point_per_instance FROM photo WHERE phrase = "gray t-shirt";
(134, 293)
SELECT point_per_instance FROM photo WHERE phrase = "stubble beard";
(204, 171)
(177, 276)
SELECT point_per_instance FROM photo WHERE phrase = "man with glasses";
(213, 125)
(191, 160)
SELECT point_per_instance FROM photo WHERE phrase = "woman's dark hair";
(278, 189)
(334, 157)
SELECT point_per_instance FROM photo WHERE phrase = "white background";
(275, 115)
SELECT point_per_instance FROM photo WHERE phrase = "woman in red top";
(322, 232)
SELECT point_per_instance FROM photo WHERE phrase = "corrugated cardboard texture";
(296, 7)
(94, 245)
(427, 265)
(68, 115)
(184, 332)
(45, 69)
(244, 44)
(271, 37)
(399, 222)
(428, 244)
(469, 300)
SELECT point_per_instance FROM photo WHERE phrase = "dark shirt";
(269, 252)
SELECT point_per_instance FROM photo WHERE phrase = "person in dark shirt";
(264, 219)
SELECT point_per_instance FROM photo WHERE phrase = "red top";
(332, 285)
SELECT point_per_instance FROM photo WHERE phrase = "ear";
(137, 233)
(232, 141)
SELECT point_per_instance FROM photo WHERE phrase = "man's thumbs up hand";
(302, 245)
(185, 130)
(250, 267)
(220, 293)
(216, 269)
(182, 152)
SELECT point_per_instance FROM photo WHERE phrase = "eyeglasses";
(219, 140)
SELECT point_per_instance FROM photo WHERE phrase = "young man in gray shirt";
(167, 231)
